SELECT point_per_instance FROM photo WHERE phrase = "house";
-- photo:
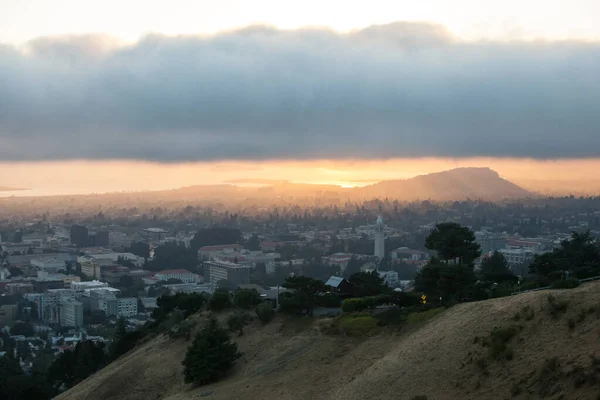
(408, 256)
(340, 285)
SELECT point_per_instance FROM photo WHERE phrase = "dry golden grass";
(441, 359)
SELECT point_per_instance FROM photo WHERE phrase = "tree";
(265, 312)
(237, 321)
(579, 254)
(253, 243)
(453, 242)
(22, 328)
(71, 367)
(220, 300)
(452, 282)
(211, 355)
(15, 271)
(367, 284)
(304, 291)
(353, 266)
(140, 249)
(496, 269)
(246, 298)
(126, 281)
(214, 237)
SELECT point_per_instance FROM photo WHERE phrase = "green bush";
(557, 307)
(211, 355)
(328, 300)
(220, 300)
(183, 330)
(237, 321)
(391, 316)
(498, 342)
(358, 326)
(246, 298)
(526, 314)
(265, 313)
(364, 303)
(565, 283)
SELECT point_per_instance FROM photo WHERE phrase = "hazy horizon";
(329, 92)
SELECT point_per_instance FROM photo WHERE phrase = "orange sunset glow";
(108, 176)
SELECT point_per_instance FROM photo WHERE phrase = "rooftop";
(173, 272)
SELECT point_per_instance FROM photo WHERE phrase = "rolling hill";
(552, 355)
(455, 184)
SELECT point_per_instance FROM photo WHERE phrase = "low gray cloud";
(399, 90)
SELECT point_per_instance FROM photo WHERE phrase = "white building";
(183, 275)
(119, 240)
(81, 286)
(516, 256)
(71, 313)
(379, 239)
(48, 264)
(489, 241)
(209, 252)
(127, 307)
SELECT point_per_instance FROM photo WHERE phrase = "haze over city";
(150, 95)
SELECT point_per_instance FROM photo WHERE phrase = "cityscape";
(317, 200)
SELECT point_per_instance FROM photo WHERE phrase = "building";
(234, 274)
(79, 236)
(207, 253)
(104, 300)
(516, 257)
(341, 285)
(379, 239)
(153, 234)
(127, 307)
(183, 275)
(19, 288)
(339, 259)
(81, 286)
(408, 256)
(489, 241)
(71, 313)
(100, 238)
(119, 240)
(48, 264)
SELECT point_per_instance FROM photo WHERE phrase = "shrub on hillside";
(211, 355)
(265, 313)
(246, 298)
(220, 300)
(358, 326)
(557, 306)
(565, 284)
(237, 321)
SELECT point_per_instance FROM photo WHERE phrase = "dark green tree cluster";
(450, 275)
(215, 237)
(188, 303)
(211, 355)
(173, 255)
(15, 385)
(367, 284)
(495, 269)
(246, 298)
(302, 295)
(580, 255)
(72, 367)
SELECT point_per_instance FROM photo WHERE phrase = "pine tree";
(211, 355)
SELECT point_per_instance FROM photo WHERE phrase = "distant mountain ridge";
(455, 184)
(9, 189)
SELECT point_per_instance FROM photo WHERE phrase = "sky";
(178, 89)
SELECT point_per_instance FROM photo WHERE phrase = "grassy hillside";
(543, 347)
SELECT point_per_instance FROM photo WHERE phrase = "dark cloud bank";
(401, 90)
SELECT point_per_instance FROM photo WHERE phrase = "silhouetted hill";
(455, 184)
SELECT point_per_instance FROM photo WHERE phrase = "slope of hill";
(552, 356)
(455, 184)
